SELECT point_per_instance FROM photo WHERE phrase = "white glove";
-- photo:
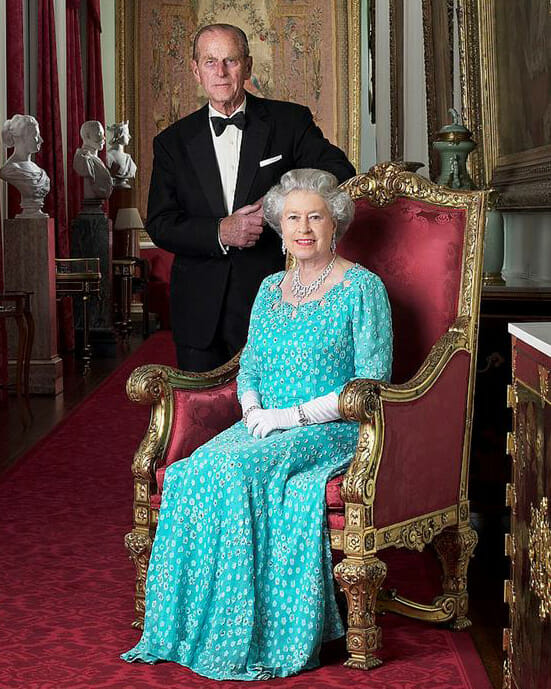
(262, 422)
(250, 399)
(322, 409)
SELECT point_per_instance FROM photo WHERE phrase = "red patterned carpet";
(66, 584)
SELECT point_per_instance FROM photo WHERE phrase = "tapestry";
(300, 49)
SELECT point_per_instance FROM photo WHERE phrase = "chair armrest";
(377, 406)
(361, 397)
(167, 390)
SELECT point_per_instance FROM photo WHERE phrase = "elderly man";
(210, 171)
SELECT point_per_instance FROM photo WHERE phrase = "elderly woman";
(240, 581)
(23, 134)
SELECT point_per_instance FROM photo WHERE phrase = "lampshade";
(128, 219)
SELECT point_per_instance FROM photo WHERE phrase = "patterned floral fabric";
(240, 581)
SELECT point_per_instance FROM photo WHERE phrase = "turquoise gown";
(240, 582)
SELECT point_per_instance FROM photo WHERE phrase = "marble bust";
(22, 133)
(120, 163)
(98, 184)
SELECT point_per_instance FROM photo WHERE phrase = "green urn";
(454, 143)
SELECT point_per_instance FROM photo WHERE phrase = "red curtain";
(94, 101)
(50, 156)
(15, 79)
(75, 106)
(94, 74)
(15, 95)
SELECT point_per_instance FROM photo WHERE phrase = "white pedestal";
(29, 266)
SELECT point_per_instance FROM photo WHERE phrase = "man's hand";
(242, 228)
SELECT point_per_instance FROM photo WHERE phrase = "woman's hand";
(262, 422)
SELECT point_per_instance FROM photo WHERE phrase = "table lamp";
(130, 221)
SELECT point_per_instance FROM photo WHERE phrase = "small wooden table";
(79, 277)
(130, 274)
(17, 305)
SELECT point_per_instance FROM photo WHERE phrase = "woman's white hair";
(16, 127)
(340, 205)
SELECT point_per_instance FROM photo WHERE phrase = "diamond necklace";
(301, 291)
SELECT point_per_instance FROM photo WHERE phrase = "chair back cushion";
(160, 263)
(416, 248)
(199, 415)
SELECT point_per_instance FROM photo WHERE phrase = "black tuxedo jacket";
(186, 202)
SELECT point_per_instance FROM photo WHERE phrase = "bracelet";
(302, 418)
(248, 411)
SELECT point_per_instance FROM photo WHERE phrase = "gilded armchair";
(406, 486)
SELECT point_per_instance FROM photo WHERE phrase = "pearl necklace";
(301, 291)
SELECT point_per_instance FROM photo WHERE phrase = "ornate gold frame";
(127, 78)
(396, 48)
(522, 179)
(361, 573)
(438, 52)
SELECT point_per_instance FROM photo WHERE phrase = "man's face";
(221, 69)
(95, 136)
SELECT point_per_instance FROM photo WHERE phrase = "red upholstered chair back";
(416, 248)
(160, 263)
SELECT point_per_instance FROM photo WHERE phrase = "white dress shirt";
(227, 147)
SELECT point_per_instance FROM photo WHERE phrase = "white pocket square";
(269, 161)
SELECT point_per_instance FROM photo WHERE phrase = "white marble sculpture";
(22, 133)
(120, 164)
(98, 184)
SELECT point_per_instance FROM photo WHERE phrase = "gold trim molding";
(521, 179)
(539, 549)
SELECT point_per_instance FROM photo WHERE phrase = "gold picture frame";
(154, 86)
(505, 90)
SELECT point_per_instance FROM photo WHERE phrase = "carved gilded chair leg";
(455, 547)
(361, 580)
(138, 545)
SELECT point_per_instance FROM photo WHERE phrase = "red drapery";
(94, 102)
(15, 79)
(15, 96)
(75, 105)
(94, 74)
(50, 156)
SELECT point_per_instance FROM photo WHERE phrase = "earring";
(283, 247)
(334, 244)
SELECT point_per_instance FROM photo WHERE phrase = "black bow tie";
(220, 123)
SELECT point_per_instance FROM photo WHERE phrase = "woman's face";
(31, 141)
(307, 226)
(125, 137)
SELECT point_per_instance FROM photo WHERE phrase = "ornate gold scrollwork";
(146, 384)
(143, 466)
(455, 547)
(139, 549)
(416, 536)
(358, 484)
(543, 375)
(417, 533)
(507, 674)
(359, 400)
(539, 550)
(361, 581)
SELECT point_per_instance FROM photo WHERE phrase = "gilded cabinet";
(527, 641)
